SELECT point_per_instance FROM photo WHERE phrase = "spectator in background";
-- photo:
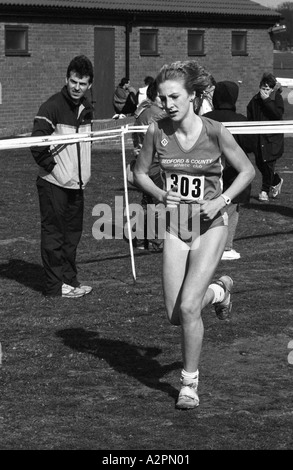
(203, 103)
(142, 92)
(64, 171)
(268, 105)
(224, 103)
(124, 98)
(149, 110)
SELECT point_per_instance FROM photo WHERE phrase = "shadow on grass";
(263, 235)
(135, 361)
(267, 207)
(28, 274)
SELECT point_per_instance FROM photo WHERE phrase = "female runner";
(190, 150)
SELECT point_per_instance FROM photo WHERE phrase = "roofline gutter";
(61, 13)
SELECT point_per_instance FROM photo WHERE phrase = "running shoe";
(70, 292)
(86, 289)
(223, 309)
(277, 189)
(188, 397)
(230, 254)
(142, 244)
(263, 196)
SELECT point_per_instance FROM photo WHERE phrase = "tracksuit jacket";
(65, 165)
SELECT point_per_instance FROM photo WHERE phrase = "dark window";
(239, 43)
(148, 42)
(195, 42)
(16, 40)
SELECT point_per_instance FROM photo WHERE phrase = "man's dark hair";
(268, 79)
(148, 80)
(152, 91)
(124, 80)
(82, 66)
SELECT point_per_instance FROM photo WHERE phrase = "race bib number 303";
(189, 187)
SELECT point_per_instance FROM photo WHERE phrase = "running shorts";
(186, 223)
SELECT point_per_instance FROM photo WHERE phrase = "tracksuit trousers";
(61, 229)
(269, 177)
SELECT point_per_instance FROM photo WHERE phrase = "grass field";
(101, 372)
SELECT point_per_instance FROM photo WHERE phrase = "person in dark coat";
(225, 96)
(124, 98)
(268, 105)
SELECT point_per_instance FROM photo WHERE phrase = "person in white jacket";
(64, 171)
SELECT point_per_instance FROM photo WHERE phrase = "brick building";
(134, 38)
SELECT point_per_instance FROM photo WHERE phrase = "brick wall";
(27, 81)
(218, 60)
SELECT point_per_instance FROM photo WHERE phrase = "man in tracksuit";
(64, 172)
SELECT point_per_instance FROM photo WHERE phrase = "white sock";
(189, 375)
(219, 293)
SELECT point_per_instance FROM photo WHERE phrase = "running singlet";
(196, 172)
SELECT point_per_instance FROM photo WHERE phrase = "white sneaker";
(223, 309)
(188, 397)
(86, 289)
(263, 196)
(277, 189)
(70, 292)
(230, 254)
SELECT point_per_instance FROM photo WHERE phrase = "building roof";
(238, 8)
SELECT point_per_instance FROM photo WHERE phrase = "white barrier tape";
(260, 127)
(22, 142)
(16, 145)
(245, 127)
